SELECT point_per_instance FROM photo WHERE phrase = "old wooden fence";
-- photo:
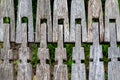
(62, 26)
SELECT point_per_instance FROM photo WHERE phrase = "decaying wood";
(96, 68)
(24, 11)
(24, 68)
(43, 69)
(7, 10)
(6, 68)
(60, 70)
(111, 12)
(43, 12)
(78, 69)
(78, 13)
(95, 12)
(60, 12)
(113, 54)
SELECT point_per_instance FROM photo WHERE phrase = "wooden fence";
(60, 28)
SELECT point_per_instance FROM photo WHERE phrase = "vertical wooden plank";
(60, 70)
(96, 67)
(78, 69)
(7, 11)
(111, 12)
(6, 68)
(43, 69)
(95, 13)
(113, 55)
(24, 11)
(60, 12)
(43, 13)
(78, 17)
(24, 68)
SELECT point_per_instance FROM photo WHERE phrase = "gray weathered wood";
(96, 67)
(113, 54)
(95, 12)
(78, 69)
(111, 12)
(7, 10)
(60, 12)
(43, 12)
(43, 69)
(24, 68)
(6, 68)
(24, 10)
(78, 12)
(60, 70)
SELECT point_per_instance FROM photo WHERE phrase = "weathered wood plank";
(7, 11)
(78, 17)
(24, 11)
(6, 68)
(111, 12)
(43, 69)
(24, 68)
(60, 70)
(78, 69)
(43, 13)
(96, 67)
(95, 13)
(60, 13)
(113, 54)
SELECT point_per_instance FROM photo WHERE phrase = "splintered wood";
(95, 14)
(24, 68)
(6, 68)
(7, 12)
(60, 16)
(43, 14)
(43, 69)
(113, 55)
(60, 70)
(96, 67)
(78, 17)
(24, 12)
(112, 15)
(78, 69)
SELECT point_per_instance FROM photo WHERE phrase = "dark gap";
(24, 20)
(60, 21)
(82, 61)
(11, 61)
(74, 61)
(28, 61)
(118, 58)
(101, 60)
(95, 20)
(6, 20)
(47, 61)
(112, 20)
(64, 61)
(78, 21)
(43, 21)
(38, 61)
(109, 60)
(91, 60)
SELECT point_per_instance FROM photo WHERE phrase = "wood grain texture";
(96, 67)
(24, 68)
(95, 12)
(60, 12)
(78, 12)
(60, 70)
(6, 68)
(43, 12)
(113, 54)
(78, 68)
(43, 69)
(24, 11)
(7, 10)
(111, 12)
